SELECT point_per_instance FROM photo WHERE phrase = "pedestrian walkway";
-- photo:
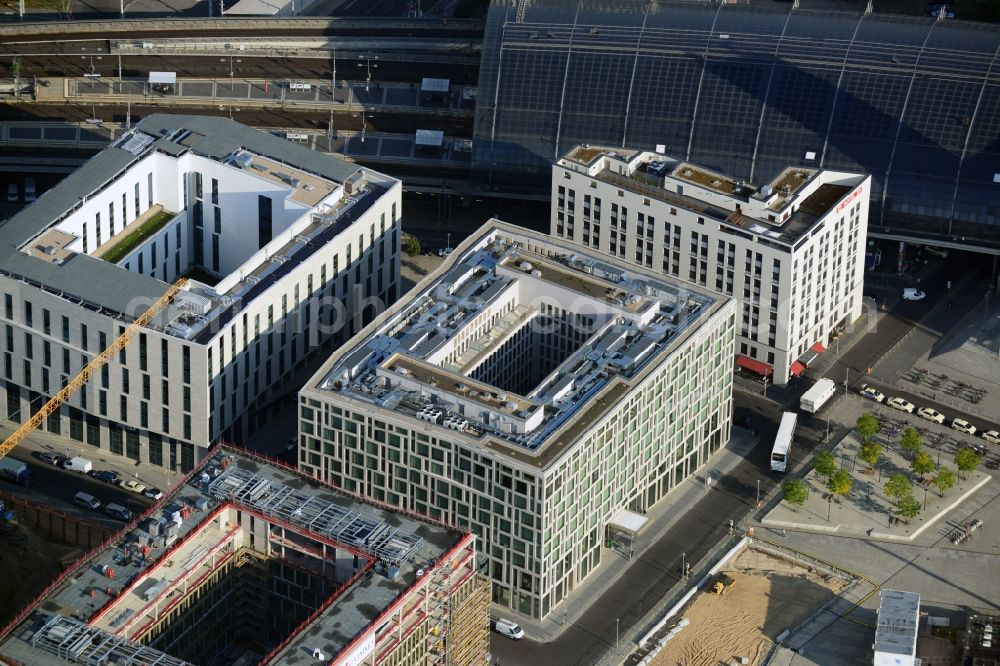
(146, 473)
(661, 517)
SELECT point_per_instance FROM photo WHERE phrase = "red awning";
(818, 348)
(796, 369)
(754, 365)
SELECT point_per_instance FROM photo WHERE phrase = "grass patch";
(138, 236)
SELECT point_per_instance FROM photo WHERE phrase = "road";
(56, 487)
(651, 575)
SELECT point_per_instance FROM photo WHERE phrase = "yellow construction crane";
(88, 370)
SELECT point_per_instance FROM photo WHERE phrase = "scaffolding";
(439, 614)
(315, 515)
(73, 641)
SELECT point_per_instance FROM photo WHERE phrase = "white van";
(29, 190)
(78, 464)
(12, 193)
(509, 629)
(87, 501)
(118, 511)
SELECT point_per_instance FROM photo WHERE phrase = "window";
(149, 189)
(29, 317)
(124, 209)
(84, 235)
(46, 321)
(111, 218)
(83, 337)
(263, 220)
(8, 304)
(215, 253)
(218, 219)
(215, 191)
(65, 328)
(137, 198)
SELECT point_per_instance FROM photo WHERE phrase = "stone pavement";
(150, 475)
(866, 510)
(953, 353)
(613, 565)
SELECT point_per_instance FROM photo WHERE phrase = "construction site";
(737, 618)
(251, 562)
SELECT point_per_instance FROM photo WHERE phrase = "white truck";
(817, 395)
(79, 464)
(15, 471)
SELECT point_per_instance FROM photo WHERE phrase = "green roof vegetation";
(138, 235)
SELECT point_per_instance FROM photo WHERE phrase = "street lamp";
(758, 494)
(369, 66)
(617, 620)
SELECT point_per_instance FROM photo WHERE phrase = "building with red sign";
(791, 252)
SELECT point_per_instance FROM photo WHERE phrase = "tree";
(966, 460)
(898, 486)
(867, 427)
(840, 483)
(910, 441)
(944, 480)
(796, 492)
(870, 452)
(908, 507)
(922, 463)
(825, 464)
(411, 245)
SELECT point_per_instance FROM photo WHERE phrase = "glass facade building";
(749, 90)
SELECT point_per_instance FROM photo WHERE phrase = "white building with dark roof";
(537, 395)
(278, 243)
(791, 252)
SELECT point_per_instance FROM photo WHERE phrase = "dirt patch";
(30, 561)
(769, 595)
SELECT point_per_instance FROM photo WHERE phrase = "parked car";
(52, 458)
(107, 476)
(118, 511)
(901, 404)
(911, 294)
(509, 629)
(931, 415)
(152, 493)
(133, 486)
(962, 425)
(991, 436)
(872, 393)
(87, 501)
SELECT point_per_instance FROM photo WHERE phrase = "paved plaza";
(866, 510)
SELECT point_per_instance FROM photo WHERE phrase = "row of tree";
(899, 486)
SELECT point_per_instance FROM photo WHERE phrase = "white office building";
(278, 242)
(791, 252)
(537, 395)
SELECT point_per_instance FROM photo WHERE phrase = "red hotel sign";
(850, 198)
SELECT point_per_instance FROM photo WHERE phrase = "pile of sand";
(769, 596)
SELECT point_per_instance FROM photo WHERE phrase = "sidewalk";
(613, 566)
(150, 475)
